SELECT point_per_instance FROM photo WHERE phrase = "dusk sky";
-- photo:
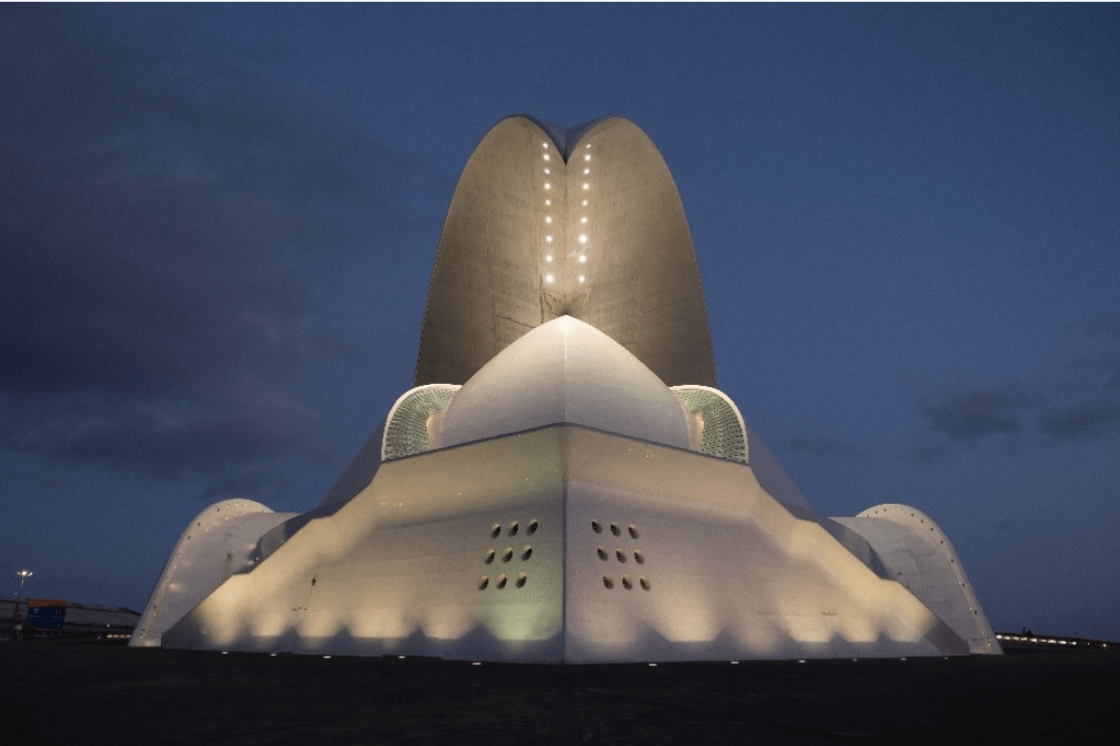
(217, 226)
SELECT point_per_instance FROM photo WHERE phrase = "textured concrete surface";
(566, 543)
(93, 694)
(602, 236)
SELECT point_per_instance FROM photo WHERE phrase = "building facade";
(565, 483)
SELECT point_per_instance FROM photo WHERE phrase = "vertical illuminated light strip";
(548, 272)
(583, 236)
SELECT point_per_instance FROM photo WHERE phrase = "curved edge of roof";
(567, 138)
(435, 392)
(920, 524)
(729, 402)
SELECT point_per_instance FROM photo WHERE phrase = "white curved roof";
(565, 371)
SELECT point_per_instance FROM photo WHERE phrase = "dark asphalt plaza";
(75, 692)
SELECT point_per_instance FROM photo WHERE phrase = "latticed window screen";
(723, 434)
(406, 432)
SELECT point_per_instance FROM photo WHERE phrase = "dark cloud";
(822, 445)
(1087, 405)
(1073, 399)
(975, 412)
(231, 443)
(162, 237)
(1081, 420)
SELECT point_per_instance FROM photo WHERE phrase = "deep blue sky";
(217, 225)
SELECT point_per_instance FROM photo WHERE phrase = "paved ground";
(71, 692)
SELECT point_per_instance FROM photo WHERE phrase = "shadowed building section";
(584, 222)
(565, 484)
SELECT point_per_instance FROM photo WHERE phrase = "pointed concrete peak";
(565, 371)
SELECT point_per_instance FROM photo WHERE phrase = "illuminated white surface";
(726, 571)
(914, 549)
(218, 542)
(642, 548)
(564, 371)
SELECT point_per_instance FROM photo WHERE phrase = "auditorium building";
(566, 483)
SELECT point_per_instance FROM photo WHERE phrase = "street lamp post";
(23, 575)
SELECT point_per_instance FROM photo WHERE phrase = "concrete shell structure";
(565, 484)
(585, 223)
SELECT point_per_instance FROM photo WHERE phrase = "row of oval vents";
(527, 551)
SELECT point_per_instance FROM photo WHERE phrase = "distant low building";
(78, 620)
(565, 483)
